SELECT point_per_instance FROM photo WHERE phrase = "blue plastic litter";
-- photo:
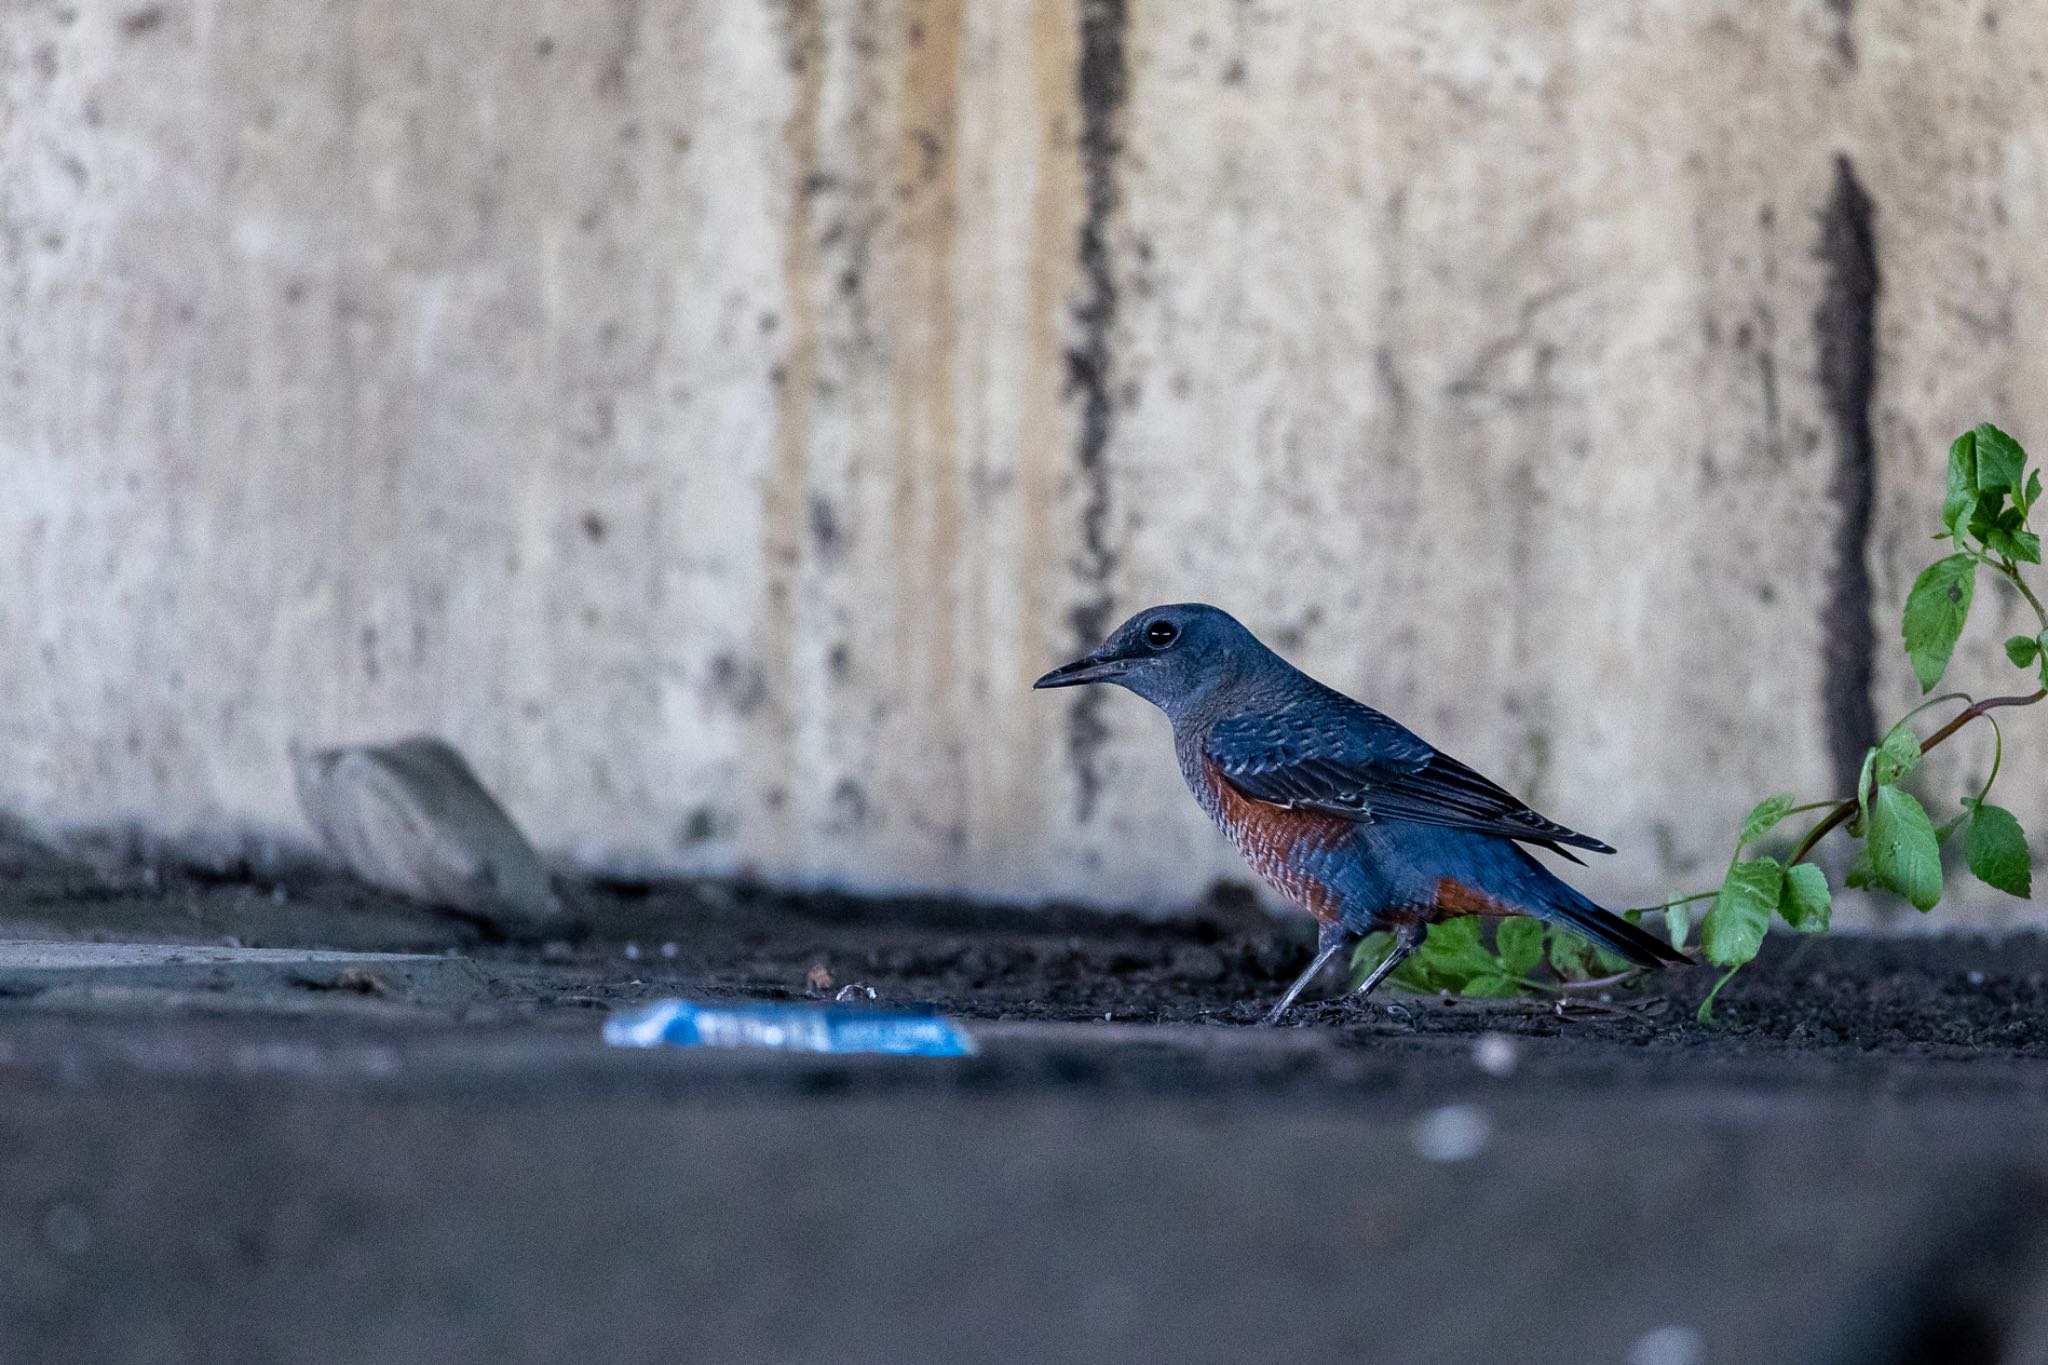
(790, 1028)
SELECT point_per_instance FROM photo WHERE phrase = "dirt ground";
(437, 1159)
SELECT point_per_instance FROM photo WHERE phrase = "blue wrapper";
(788, 1028)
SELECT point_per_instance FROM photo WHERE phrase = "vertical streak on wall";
(344, 506)
(1055, 51)
(1845, 324)
(927, 490)
(797, 385)
(1042, 442)
(1103, 86)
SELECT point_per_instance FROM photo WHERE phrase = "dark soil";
(1221, 963)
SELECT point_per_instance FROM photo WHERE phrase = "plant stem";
(1976, 709)
(2012, 572)
(1968, 714)
(1997, 758)
(1595, 983)
(1682, 900)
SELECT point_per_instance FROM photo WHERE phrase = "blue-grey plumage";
(1349, 814)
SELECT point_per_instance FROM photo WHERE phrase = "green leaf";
(2000, 461)
(1677, 921)
(1896, 756)
(1942, 831)
(1571, 957)
(1805, 903)
(1612, 964)
(1962, 482)
(1904, 856)
(1997, 850)
(2022, 650)
(1734, 929)
(1519, 941)
(1411, 975)
(1414, 975)
(2023, 546)
(1492, 986)
(2033, 494)
(1936, 609)
(1450, 958)
(1367, 952)
(1454, 946)
(1765, 814)
(1862, 873)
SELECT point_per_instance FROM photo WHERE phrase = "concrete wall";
(712, 415)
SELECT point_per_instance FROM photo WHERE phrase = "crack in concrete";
(1103, 84)
(1845, 329)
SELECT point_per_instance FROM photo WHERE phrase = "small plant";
(1985, 515)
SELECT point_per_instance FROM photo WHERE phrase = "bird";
(1347, 813)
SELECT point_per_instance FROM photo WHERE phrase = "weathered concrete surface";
(537, 1221)
(710, 416)
(63, 956)
(121, 975)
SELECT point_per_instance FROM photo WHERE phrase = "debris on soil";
(412, 818)
(819, 977)
(788, 1028)
(349, 980)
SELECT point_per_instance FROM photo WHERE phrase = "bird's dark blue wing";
(1337, 757)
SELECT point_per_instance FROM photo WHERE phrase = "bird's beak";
(1087, 669)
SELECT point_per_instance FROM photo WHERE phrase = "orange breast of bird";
(1286, 847)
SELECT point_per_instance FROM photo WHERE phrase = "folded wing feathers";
(1376, 767)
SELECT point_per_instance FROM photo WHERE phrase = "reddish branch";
(1964, 717)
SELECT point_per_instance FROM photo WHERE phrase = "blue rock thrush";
(1349, 814)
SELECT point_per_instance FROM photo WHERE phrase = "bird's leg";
(1407, 938)
(1328, 941)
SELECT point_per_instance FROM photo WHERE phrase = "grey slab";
(49, 956)
(139, 974)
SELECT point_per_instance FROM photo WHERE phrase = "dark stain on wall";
(1103, 87)
(145, 20)
(1845, 326)
(1845, 38)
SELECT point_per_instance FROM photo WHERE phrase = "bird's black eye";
(1160, 634)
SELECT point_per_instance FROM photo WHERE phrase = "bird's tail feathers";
(1610, 931)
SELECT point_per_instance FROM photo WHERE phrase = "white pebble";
(668, 950)
(1495, 1054)
(1668, 1346)
(632, 952)
(1976, 978)
(1454, 1132)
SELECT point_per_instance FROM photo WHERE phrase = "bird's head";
(1168, 655)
